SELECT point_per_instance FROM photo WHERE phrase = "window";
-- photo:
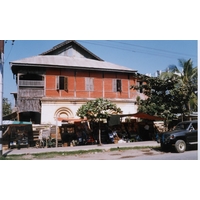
(89, 84)
(62, 83)
(139, 85)
(117, 85)
(194, 125)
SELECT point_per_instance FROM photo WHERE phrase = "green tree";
(159, 101)
(172, 92)
(186, 88)
(6, 107)
(98, 109)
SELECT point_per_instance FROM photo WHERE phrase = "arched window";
(63, 112)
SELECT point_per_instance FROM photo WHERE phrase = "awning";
(70, 119)
(143, 116)
(9, 122)
(11, 116)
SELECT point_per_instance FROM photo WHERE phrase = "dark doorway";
(34, 117)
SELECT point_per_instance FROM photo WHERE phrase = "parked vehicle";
(183, 135)
(48, 142)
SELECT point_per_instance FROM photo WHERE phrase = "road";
(151, 153)
(77, 148)
(187, 155)
(142, 154)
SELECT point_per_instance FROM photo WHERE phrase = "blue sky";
(146, 56)
(102, 20)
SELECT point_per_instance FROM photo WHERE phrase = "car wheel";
(180, 146)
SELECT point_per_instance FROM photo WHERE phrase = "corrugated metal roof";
(67, 42)
(68, 62)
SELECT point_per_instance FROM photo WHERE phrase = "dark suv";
(183, 135)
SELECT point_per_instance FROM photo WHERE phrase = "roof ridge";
(67, 42)
(56, 46)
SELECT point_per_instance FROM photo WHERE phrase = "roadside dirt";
(106, 155)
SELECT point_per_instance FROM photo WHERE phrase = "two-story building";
(57, 82)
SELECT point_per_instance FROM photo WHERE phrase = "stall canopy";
(143, 116)
(9, 122)
(70, 119)
(11, 116)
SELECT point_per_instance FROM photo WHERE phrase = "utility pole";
(1, 92)
(197, 93)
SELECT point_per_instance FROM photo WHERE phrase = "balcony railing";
(31, 93)
(31, 83)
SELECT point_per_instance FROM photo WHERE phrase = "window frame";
(117, 85)
(62, 84)
(140, 83)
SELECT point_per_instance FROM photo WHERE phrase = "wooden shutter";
(87, 84)
(65, 83)
(91, 84)
(57, 82)
(61, 83)
(114, 85)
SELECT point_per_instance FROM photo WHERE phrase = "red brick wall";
(80, 84)
(76, 84)
(98, 84)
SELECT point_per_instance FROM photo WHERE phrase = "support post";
(56, 132)
(1, 93)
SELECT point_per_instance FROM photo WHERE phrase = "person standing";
(146, 130)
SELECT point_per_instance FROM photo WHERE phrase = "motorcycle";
(49, 142)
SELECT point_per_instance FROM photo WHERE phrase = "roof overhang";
(11, 116)
(68, 62)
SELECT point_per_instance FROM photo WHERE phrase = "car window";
(194, 125)
(182, 126)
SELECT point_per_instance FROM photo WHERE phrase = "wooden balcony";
(30, 93)
(31, 83)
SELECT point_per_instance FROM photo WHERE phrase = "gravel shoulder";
(120, 151)
(104, 155)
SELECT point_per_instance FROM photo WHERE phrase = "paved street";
(77, 148)
(106, 154)
(187, 155)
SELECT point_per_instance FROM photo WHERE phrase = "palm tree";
(187, 83)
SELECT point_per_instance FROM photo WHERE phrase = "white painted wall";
(49, 110)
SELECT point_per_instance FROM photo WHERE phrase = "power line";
(162, 50)
(161, 53)
(139, 51)
(10, 49)
(105, 45)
